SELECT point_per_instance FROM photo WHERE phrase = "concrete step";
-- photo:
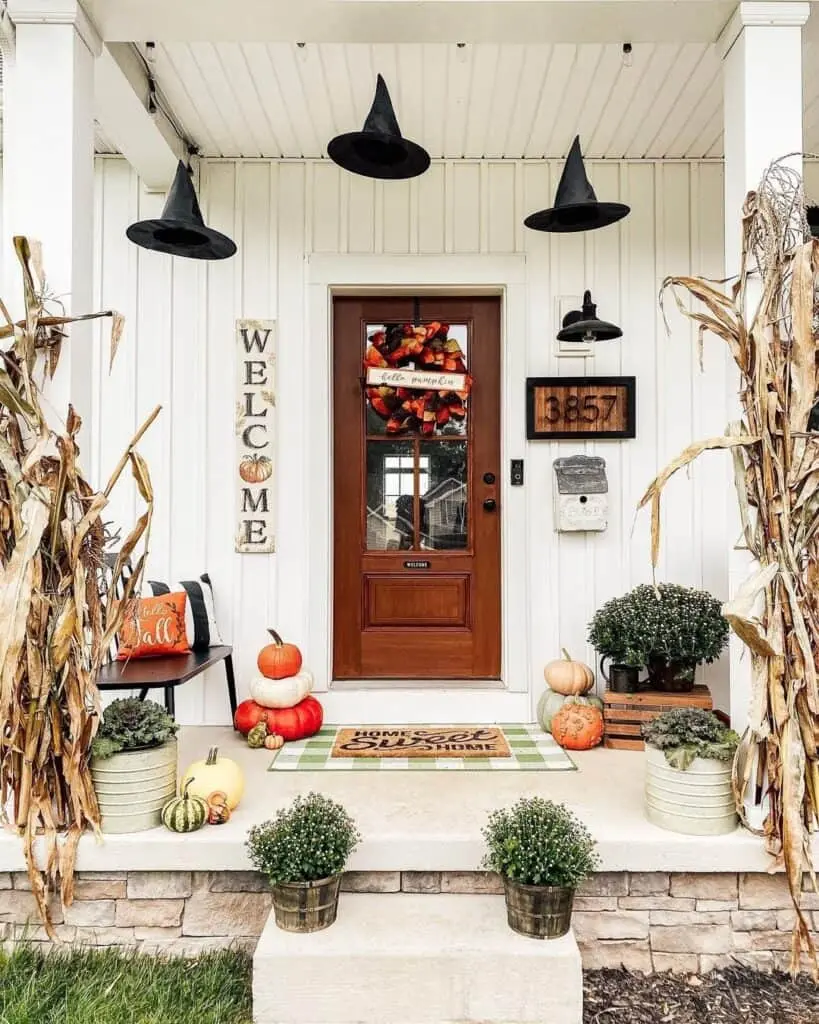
(416, 959)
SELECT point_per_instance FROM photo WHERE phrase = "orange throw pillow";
(155, 626)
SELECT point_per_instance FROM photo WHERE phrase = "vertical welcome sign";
(255, 436)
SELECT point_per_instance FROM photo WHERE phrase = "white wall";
(178, 351)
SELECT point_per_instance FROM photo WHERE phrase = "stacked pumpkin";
(567, 709)
(280, 707)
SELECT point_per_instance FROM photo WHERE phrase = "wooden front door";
(416, 489)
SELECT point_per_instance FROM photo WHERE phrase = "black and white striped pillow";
(200, 617)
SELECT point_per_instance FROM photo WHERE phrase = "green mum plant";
(310, 840)
(669, 621)
(132, 724)
(537, 842)
(686, 733)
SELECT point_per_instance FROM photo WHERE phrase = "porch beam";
(762, 71)
(393, 21)
(48, 171)
(136, 126)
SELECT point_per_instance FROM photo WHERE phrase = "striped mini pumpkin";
(185, 813)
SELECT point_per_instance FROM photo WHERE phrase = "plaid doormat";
(532, 751)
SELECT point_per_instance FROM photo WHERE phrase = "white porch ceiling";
(508, 100)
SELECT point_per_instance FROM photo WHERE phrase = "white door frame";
(353, 702)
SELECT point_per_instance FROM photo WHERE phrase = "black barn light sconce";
(583, 325)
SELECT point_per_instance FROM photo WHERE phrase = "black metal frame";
(630, 385)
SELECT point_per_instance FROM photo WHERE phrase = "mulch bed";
(735, 995)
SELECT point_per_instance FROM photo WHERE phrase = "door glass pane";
(407, 408)
(444, 495)
(391, 494)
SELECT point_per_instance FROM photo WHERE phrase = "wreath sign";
(426, 348)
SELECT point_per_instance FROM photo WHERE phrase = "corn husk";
(55, 628)
(769, 320)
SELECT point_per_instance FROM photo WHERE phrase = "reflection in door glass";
(391, 494)
(444, 497)
(432, 348)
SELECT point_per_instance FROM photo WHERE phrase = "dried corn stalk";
(769, 322)
(54, 629)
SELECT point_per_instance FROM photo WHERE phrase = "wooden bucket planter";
(306, 906)
(133, 786)
(698, 801)
(538, 911)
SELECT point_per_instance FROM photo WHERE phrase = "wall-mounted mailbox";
(581, 498)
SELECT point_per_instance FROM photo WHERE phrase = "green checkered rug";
(532, 751)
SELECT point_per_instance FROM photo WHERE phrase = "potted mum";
(542, 852)
(622, 638)
(303, 851)
(668, 628)
(133, 764)
(689, 759)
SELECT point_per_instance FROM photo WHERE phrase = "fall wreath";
(417, 347)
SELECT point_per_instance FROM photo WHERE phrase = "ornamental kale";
(537, 842)
(672, 622)
(686, 733)
(310, 840)
(132, 724)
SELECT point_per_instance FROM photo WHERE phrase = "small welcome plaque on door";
(576, 407)
(255, 436)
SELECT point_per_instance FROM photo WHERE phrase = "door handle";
(489, 504)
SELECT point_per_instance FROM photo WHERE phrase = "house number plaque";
(559, 408)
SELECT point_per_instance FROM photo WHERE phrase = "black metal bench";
(166, 673)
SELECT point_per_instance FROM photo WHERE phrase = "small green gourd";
(256, 736)
(185, 813)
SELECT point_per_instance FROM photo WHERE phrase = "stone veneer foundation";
(656, 921)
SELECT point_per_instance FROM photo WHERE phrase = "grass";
(111, 987)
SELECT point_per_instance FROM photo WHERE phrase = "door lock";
(489, 478)
(489, 504)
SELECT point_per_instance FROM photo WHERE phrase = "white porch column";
(762, 76)
(48, 171)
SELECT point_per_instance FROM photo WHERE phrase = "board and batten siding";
(178, 351)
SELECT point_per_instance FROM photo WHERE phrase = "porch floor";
(420, 821)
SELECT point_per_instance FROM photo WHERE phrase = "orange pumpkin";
(255, 469)
(571, 678)
(578, 726)
(279, 660)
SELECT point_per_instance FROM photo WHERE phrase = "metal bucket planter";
(698, 801)
(306, 906)
(671, 676)
(538, 911)
(133, 786)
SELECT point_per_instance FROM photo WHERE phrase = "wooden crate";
(624, 713)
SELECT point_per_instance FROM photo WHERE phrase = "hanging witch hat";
(812, 215)
(181, 230)
(379, 150)
(576, 207)
(583, 325)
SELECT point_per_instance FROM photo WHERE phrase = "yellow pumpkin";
(216, 774)
(571, 678)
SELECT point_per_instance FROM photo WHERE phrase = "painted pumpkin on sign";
(215, 773)
(578, 726)
(255, 469)
(568, 677)
(296, 723)
(281, 693)
(279, 660)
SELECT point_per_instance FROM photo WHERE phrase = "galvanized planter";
(538, 911)
(306, 906)
(698, 801)
(133, 786)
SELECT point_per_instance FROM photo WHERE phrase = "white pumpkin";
(281, 693)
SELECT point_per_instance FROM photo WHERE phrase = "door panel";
(416, 489)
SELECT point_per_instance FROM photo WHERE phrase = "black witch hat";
(181, 230)
(379, 150)
(812, 215)
(583, 325)
(576, 207)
